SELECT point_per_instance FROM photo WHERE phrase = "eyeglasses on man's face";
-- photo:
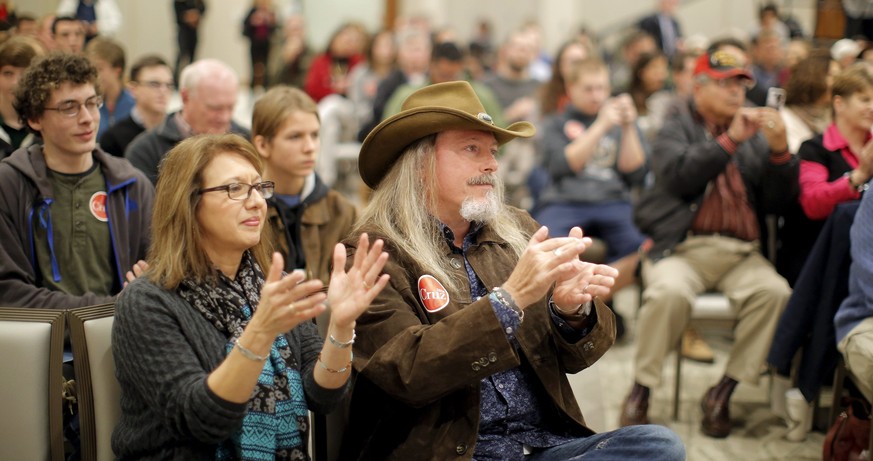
(241, 191)
(734, 82)
(71, 108)
(156, 85)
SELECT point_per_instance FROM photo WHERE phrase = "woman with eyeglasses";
(215, 350)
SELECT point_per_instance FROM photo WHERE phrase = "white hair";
(212, 69)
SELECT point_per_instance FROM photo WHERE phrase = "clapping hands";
(351, 292)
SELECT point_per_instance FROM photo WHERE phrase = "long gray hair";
(400, 211)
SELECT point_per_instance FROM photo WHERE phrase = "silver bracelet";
(341, 370)
(503, 297)
(248, 353)
(574, 313)
(342, 345)
(579, 313)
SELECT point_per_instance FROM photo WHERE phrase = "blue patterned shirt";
(511, 400)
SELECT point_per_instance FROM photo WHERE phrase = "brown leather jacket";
(416, 393)
(324, 223)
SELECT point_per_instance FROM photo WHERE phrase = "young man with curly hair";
(75, 219)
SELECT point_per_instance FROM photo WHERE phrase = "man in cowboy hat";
(719, 167)
(465, 353)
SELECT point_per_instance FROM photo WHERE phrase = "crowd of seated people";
(678, 159)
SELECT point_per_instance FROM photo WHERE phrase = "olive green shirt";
(81, 241)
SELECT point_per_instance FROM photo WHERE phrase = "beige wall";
(559, 18)
(149, 25)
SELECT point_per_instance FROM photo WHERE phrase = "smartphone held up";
(775, 98)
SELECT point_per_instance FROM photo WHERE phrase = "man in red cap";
(719, 167)
(466, 353)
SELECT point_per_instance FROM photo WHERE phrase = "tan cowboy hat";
(430, 110)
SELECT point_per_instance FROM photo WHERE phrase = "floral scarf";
(276, 422)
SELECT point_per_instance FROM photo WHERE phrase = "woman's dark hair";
(552, 91)
(637, 89)
(807, 82)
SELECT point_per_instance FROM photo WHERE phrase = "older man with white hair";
(209, 90)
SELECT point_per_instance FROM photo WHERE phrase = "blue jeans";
(648, 442)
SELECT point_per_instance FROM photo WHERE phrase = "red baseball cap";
(720, 65)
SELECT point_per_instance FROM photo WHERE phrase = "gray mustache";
(488, 179)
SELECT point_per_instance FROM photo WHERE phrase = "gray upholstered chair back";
(31, 382)
(98, 390)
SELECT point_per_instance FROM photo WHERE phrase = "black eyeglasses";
(156, 85)
(240, 191)
(71, 108)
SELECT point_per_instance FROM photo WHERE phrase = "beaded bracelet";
(341, 370)
(248, 353)
(342, 345)
(503, 297)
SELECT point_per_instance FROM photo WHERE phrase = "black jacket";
(685, 158)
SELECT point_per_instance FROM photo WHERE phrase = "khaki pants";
(857, 350)
(732, 267)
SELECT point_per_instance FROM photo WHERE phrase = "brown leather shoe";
(695, 348)
(636, 407)
(716, 418)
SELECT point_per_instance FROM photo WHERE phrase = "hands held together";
(750, 120)
(548, 262)
(618, 111)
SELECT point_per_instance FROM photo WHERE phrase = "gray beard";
(480, 210)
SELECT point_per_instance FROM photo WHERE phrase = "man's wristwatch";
(858, 187)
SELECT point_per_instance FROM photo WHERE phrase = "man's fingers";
(601, 281)
(558, 242)
(608, 271)
(563, 271)
(539, 236)
(576, 232)
(569, 247)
